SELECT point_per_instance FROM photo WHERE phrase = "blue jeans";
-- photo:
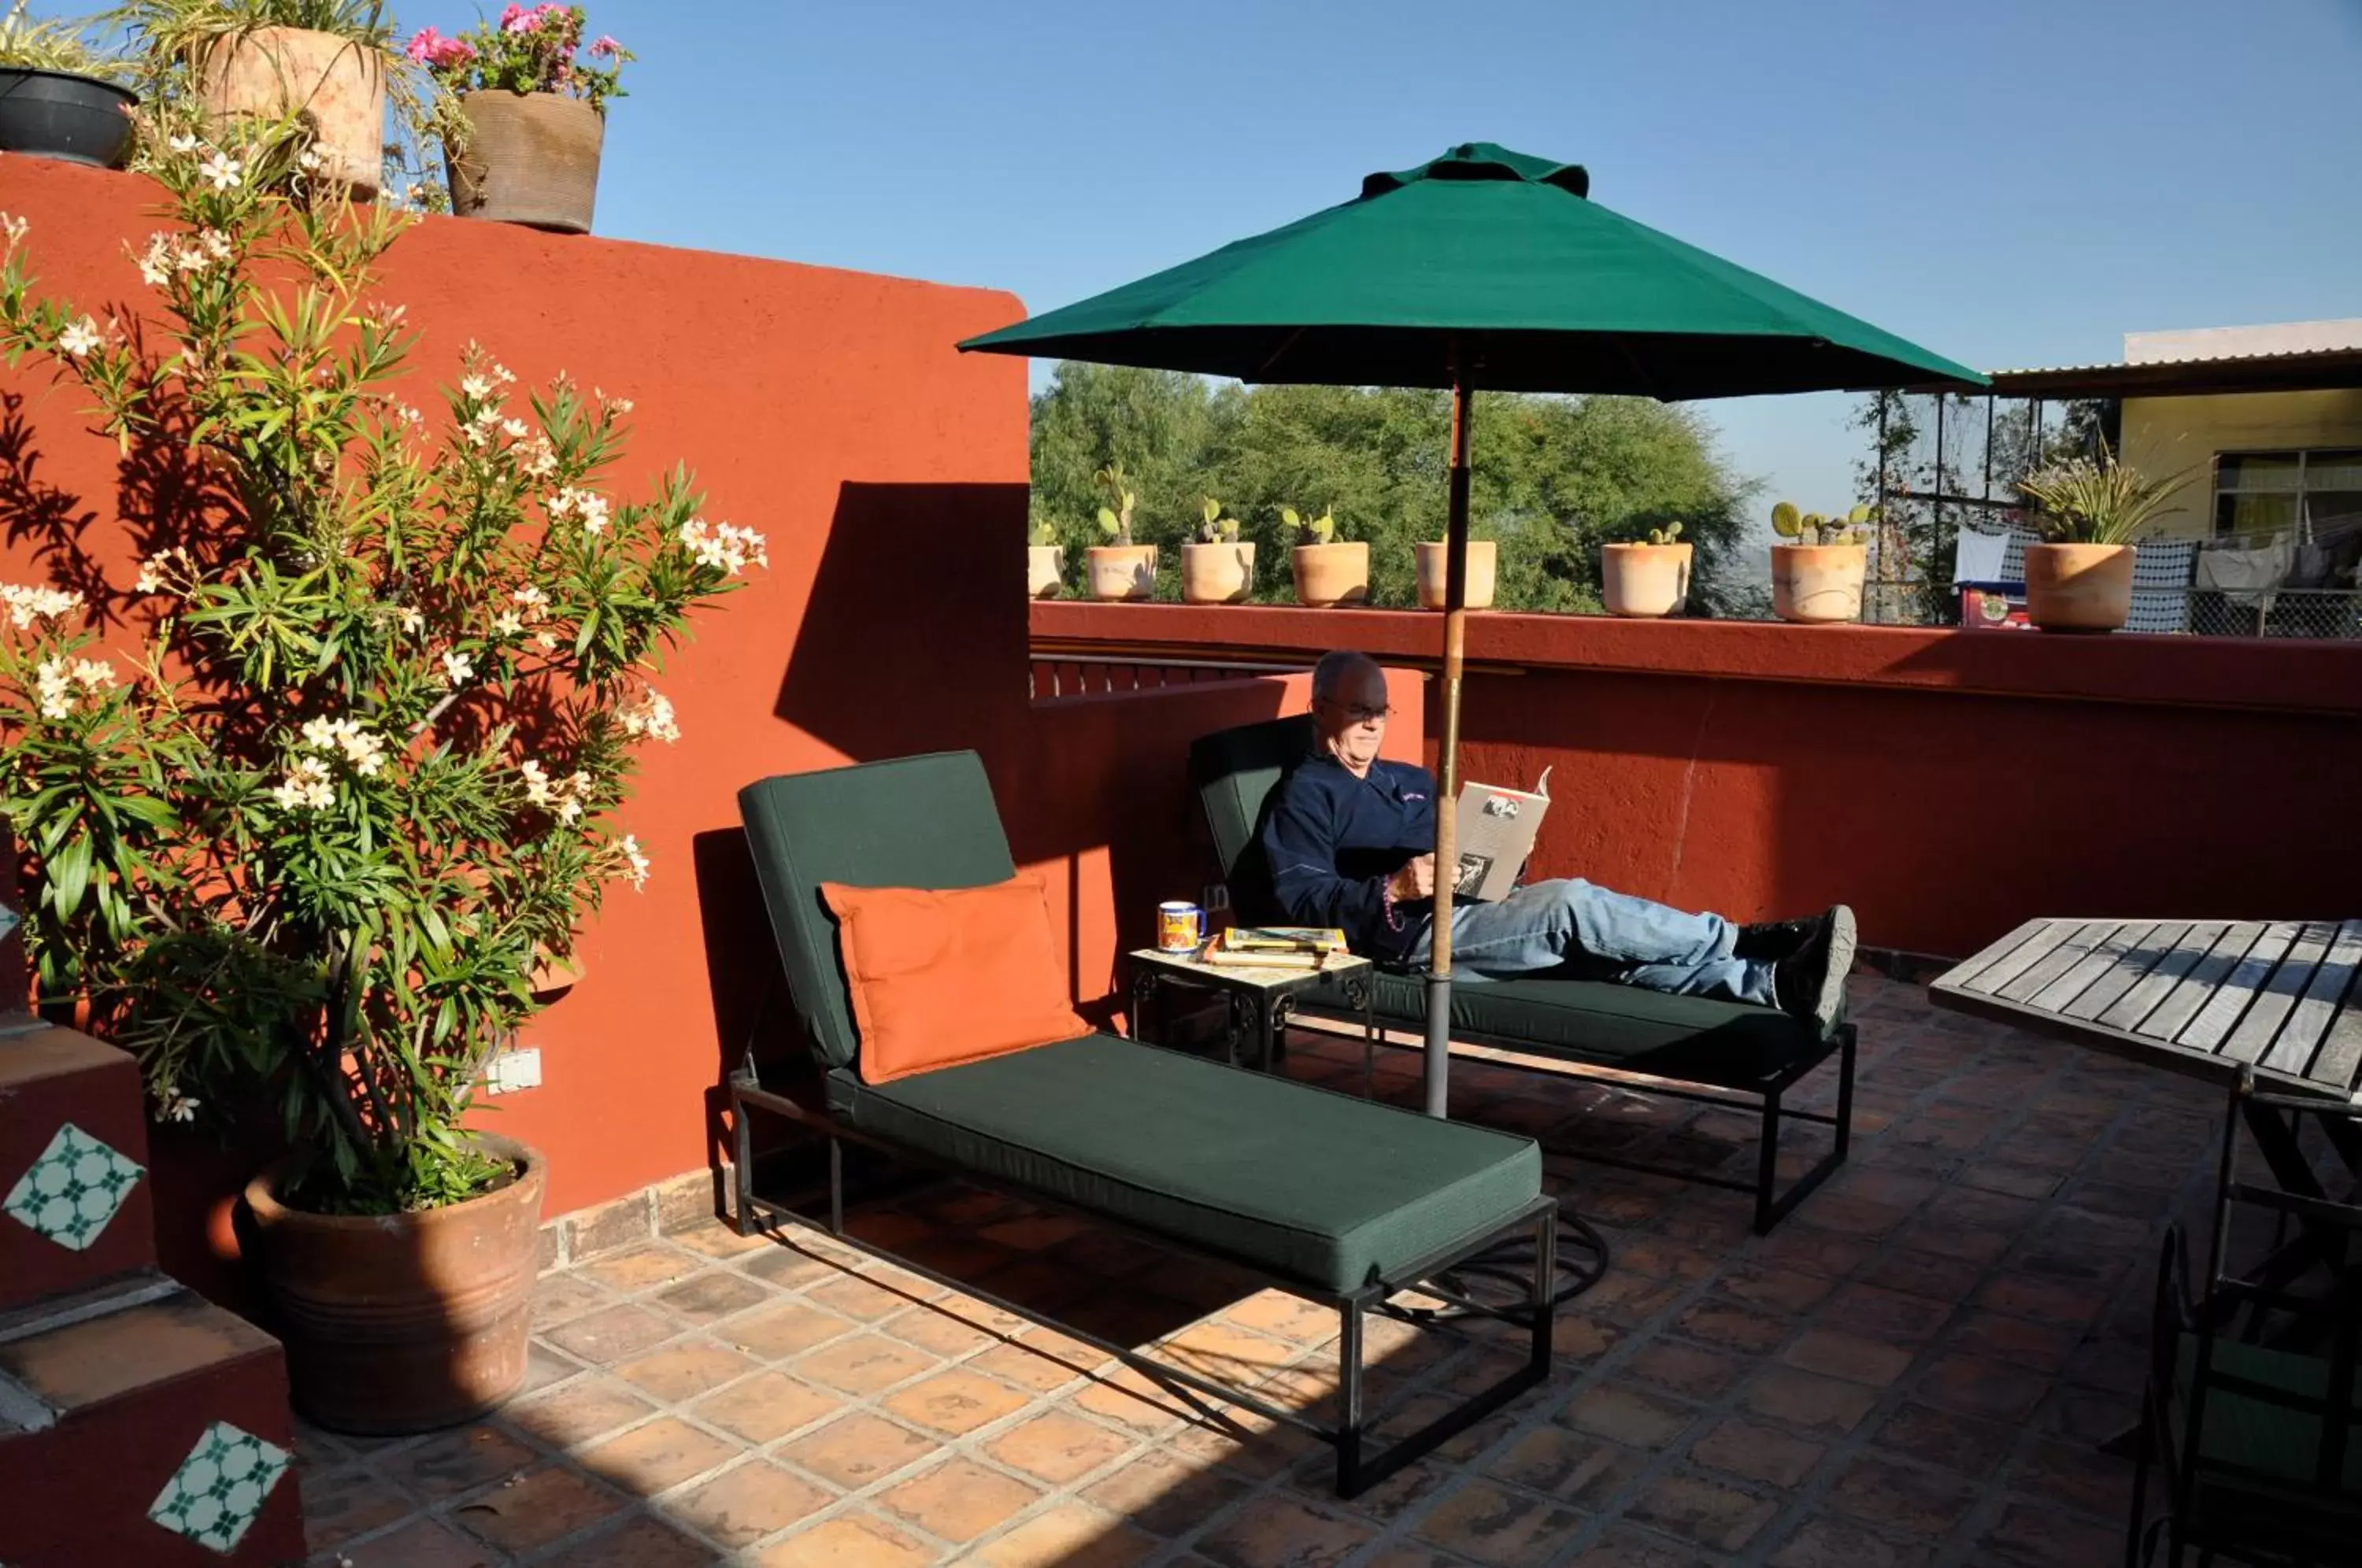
(1571, 927)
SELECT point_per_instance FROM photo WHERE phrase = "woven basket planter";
(532, 159)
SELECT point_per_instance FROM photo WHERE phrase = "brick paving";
(1915, 1368)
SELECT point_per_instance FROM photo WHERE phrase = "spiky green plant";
(1213, 528)
(2089, 501)
(1320, 530)
(1115, 520)
(60, 43)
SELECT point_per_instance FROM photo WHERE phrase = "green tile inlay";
(73, 1189)
(216, 1494)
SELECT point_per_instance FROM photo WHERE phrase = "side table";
(1260, 998)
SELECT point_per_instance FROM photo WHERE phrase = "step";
(74, 1198)
(140, 1424)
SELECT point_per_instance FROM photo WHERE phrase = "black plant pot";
(54, 114)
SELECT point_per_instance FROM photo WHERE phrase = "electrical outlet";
(509, 1071)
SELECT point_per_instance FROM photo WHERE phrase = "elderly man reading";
(1349, 840)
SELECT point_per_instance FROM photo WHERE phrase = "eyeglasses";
(1360, 713)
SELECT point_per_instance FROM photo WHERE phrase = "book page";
(1497, 828)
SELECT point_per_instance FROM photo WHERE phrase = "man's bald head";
(1350, 708)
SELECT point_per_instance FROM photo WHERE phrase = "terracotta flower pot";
(532, 159)
(1644, 580)
(1818, 585)
(1332, 574)
(1122, 572)
(2079, 588)
(1216, 574)
(403, 1322)
(337, 85)
(1484, 556)
(1045, 566)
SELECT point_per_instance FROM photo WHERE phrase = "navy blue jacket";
(1331, 841)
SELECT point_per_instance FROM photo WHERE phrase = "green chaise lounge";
(1327, 1196)
(1758, 1052)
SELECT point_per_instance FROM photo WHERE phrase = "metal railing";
(2317, 613)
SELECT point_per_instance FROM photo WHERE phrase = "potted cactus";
(1817, 572)
(1120, 568)
(1645, 578)
(59, 97)
(2079, 578)
(1045, 560)
(1329, 570)
(1483, 558)
(1216, 568)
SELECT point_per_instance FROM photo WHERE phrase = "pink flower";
(423, 47)
(451, 52)
(508, 16)
(603, 46)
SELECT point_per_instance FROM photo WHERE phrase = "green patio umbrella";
(1485, 268)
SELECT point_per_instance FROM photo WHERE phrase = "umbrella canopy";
(1485, 268)
(1491, 269)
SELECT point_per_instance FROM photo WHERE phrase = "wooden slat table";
(2207, 997)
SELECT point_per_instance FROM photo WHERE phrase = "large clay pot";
(1216, 574)
(1644, 580)
(1818, 585)
(403, 1322)
(2079, 588)
(1045, 568)
(1484, 556)
(1332, 574)
(337, 85)
(1122, 572)
(532, 159)
(60, 113)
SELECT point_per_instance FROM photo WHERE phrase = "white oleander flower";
(307, 787)
(27, 605)
(630, 844)
(181, 1108)
(94, 674)
(536, 782)
(475, 388)
(546, 641)
(530, 602)
(458, 668)
(223, 171)
(651, 716)
(184, 143)
(76, 341)
(516, 429)
(508, 623)
(53, 689)
(15, 227)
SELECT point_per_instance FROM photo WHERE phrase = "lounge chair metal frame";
(1357, 1470)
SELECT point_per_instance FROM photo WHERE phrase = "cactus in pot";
(1120, 568)
(1818, 568)
(1329, 570)
(1216, 568)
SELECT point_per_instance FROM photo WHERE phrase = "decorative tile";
(73, 1189)
(219, 1488)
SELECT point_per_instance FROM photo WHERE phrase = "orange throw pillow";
(944, 977)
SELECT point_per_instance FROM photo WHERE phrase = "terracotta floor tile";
(862, 1363)
(853, 1296)
(537, 1509)
(1582, 1469)
(1759, 1453)
(958, 1501)
(562, 1296)
(945, 1333)
(640, 1268)
(740, 1507)
(855, 1449)
(1638, 1417)
(1903, 1498)
(1625, 1547)
(613, 1334)
(849, 1541)
(1837, 1354)
(641, 1542)
(1041, 1368)
(1809, 1400)
(663, 1452)
(1973, 1385)
(1832, 1542)
(1499, 1528)
(2027, 1537)
(765, 1407)
(1072, 1536)
(1130, 1399)
(703, 1298)
(1735, 1326)
(954, 1402)
(1974, 1448)
(1168, 1495)
(1287, 1317)
(776, 1332)
(341, 1504)
(576, 1412)
(1714, 1514)
(448, 1463)
(685, 1371)
(1056, 1447)
(1280, 1532)
(422, 1543)
(718, 1241)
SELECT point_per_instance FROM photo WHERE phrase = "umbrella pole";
(1438, 1066)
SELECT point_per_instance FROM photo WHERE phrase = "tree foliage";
(1554, 478)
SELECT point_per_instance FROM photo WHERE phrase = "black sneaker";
(1809, 984)
(1777, 938)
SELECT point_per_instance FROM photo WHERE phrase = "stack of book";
(1275, 947)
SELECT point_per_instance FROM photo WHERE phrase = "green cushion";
(2247, 1432)
(917, 822)
(1234, 772)
(1324, 1190)
(1695, 1039)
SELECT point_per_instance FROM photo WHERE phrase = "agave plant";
(2084, 500)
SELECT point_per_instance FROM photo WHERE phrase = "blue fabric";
(1332, 840)
(1588, 933)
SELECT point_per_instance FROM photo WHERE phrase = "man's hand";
(1415, 880)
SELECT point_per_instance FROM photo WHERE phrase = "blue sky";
(2008, 182)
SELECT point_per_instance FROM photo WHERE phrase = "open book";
(1498, 826)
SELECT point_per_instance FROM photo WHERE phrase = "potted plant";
(1433, 560)
(312, 808)
(1645, 580)
(1817, 575)
(59, 97)
(1329, 570)
(1215, 568)
(329, 63)
(1045, 560)
(523, 144)
(1120, 568)
(2079, 578)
